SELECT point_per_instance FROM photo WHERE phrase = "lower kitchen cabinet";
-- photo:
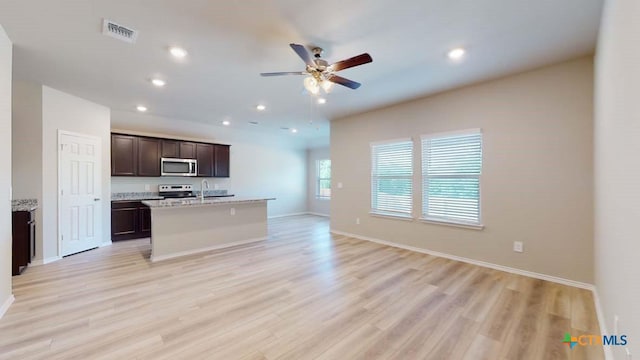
(130, 220)
(23, 240)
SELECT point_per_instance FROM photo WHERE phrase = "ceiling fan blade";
(283, 73)
(303, 53)
(351, 62)
(344, 82)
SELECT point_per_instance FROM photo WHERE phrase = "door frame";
(61, 133)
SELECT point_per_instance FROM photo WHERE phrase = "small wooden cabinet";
(141, 156)
(124, 155)
(23, 240)
(221, 161)
(130, 220)
(204, 155)
(170, 149)
(148, 157)
(188, 150)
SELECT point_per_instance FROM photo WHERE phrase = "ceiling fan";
(321, 74)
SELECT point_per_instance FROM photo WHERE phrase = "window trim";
(318, 179)
(386, 213)
(448, 221)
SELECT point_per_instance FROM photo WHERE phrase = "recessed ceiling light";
(141, 108)
(158, 82)
(294, 130)
(260, 107)
(226, 123)
(178, 52)
(456, 54)
(322, 101)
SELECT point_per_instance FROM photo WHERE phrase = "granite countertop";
(147, 195)
(183, 203)
(24, 204)
(133, 196)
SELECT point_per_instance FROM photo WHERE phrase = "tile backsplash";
(150, 184)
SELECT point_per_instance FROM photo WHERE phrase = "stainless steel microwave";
(178, 167)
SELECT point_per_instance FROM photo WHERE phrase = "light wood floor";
(302, 294)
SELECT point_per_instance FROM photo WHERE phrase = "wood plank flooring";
(301, 294)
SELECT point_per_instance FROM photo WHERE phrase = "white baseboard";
(508, 269)
(608, 354)
(104, 244)
(40, 262)
(205, 249)
(317, 214)
(6, 304)
(285, 215)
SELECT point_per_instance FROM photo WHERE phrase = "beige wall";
(261, 165)
(315, 205)
(26, 155)
(617, 170)
(5, 176)
(537, 172)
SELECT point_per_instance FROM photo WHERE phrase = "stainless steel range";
(176, 191)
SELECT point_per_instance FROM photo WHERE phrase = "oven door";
(179, 167)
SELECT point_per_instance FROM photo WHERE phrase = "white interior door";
(79, 170)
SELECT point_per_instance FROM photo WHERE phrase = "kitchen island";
(187, 226)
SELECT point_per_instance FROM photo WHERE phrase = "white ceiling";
(59, 43)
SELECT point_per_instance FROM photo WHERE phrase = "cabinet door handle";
(96, 199)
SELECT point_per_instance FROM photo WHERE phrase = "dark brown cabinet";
(130, 220)
(221, 161)
(148, 157)
(188, 150)
(23, 240)
(124, 155)
(141, 155)
(170, 149)
(204, 155)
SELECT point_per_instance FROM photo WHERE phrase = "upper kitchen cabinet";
(124, 155)
(188, 150)
(133, 155)
(170, 148)
(149, 150)
(204, 155)
(221, 161)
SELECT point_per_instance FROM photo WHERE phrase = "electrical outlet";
(339, 185)
(215, 186)
(233, 211)
(147, 187)
(518, 246)
(357, 221)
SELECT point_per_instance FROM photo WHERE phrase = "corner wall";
(6, 50)
(617, 170)
(537, 180)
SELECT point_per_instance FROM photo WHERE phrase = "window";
(451, 168)
(392, 178)
(323, 179)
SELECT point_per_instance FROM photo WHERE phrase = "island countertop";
(178, 203)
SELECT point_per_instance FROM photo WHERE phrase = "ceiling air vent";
(119, 32)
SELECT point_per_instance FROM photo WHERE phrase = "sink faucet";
(202, 184)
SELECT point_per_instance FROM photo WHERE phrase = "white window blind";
(451, 169)
(392, 178)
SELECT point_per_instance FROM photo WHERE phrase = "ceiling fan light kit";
(321, 75)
